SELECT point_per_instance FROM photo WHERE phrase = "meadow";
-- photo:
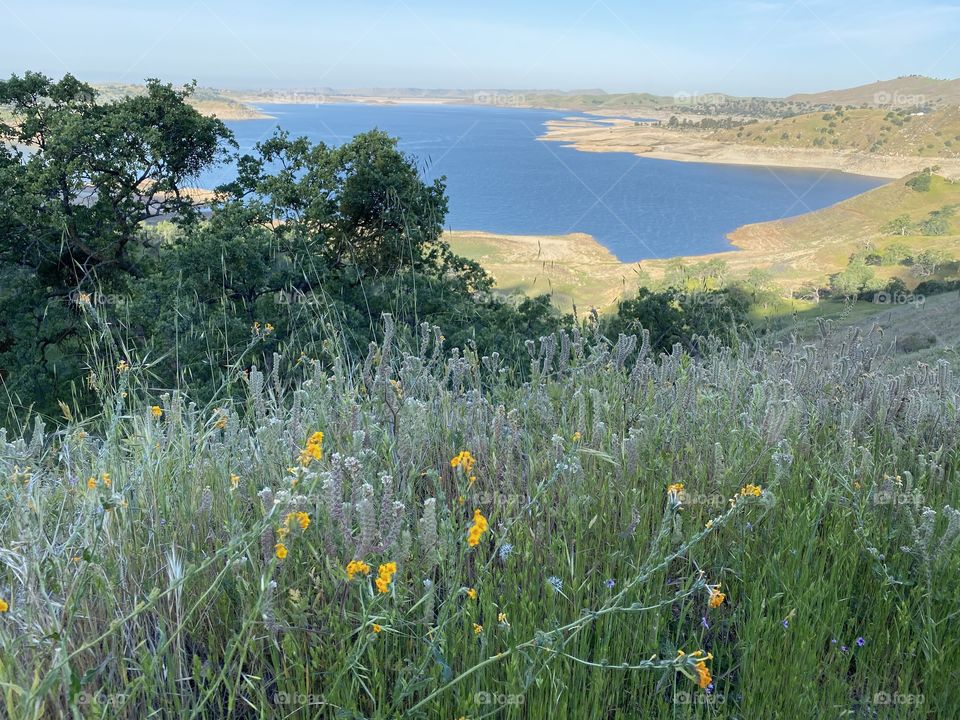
(758, 532)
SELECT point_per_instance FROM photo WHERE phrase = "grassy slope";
(811, 246)
(914, 89)
(573, 269)
(207, 101)
(934, 135)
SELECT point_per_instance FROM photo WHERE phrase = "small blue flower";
(843, 648)
(786, 623)
(861, 642)
(709, 689)
(505, 551)
(611, 583)
(704, 623)
(556, 583)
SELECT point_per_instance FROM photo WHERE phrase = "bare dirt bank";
(687, 146)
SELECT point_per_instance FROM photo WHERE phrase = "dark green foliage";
(673, 316)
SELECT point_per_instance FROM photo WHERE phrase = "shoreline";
(664, 144)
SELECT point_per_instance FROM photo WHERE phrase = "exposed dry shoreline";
(661, 143)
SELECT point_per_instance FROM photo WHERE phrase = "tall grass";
(139, 550)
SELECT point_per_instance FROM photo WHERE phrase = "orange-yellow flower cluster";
(675, 489)
(313, 450)
(751, 491)
(385, 575)
(716, 597)
(357, 567)
(464, 460)
(4, 605)
(156, 411)
(281, 551)
(699, 659)
(478, 528)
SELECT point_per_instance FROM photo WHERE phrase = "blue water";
(501, 179)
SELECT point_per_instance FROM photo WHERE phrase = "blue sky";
(749, 47)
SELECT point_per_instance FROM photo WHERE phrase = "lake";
(501, 179)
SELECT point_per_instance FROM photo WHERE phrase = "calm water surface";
(501, 179)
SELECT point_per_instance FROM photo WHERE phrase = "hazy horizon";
(745, 47)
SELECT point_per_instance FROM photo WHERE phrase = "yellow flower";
(281, 551)
(122, 366)
(355, 567)
(376, 628)
(502, 618)
(478, 528)
(312, 449)
(472, 479)
(461, 500)
(472, 593)
(385, 575)
(716, 597)
(464, 460)
(221, 422)
(4, 606)
(477, 628)
(156, 411)
(703, 674)
(709, 524)
(105, 478)
(304, 520)
(577, 436)
(751, 490)
(234, 481)
(675, 489)
(91, 483)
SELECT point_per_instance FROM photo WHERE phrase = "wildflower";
(861, 642)
(461, 500)
(376, 628)
(751, 490)
(234, 481)
(122, 366)
(716, 597)
(505, 551)
(704, 679)
(281, 551)
(313, 449)
(477, 628)
(786, 624)
(385, 575)
(675, 489)
(709, 524)
(577, 436)
(105, 479)
(302, 519)
(843, 648)
(704, 624)
(502, 619)
(472, 479)
(156, 411)
(610, 583)
(478, 528)
(91, 483)
(4, 605)
(472, 593)
(556, 583)
(464, 460)
(221, 422)
(357, 566)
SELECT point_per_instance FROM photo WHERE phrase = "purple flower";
(704, 623)
(709, 689)
(861, 642)
(610, 583)
(786, 623)
(843, 648)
